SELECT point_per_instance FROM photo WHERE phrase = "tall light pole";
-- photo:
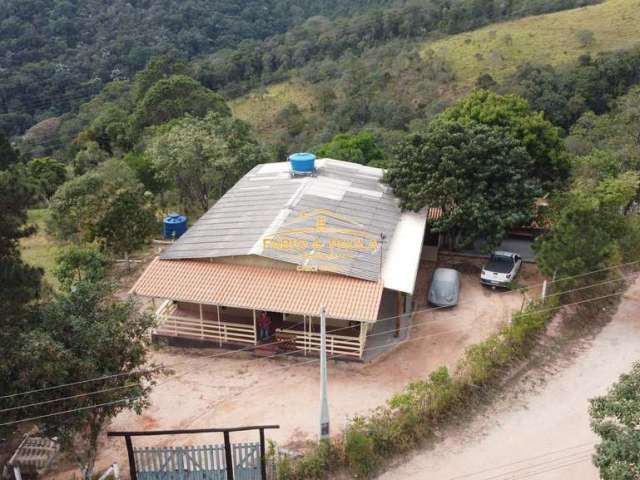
(324, 402)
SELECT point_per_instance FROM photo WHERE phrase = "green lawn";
(40, 249)
(499, 48)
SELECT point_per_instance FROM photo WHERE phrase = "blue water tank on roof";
(174, 225)
(303, 162)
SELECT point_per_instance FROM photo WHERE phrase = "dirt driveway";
(544, 433)
(237, 389)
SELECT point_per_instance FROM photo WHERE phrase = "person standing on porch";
(264, 322)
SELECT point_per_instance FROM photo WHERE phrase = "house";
(289, 244)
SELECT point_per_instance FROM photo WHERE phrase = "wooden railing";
(173, 325)
(336, 344)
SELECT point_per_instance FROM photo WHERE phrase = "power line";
(333, 331)
(310, 361)
(524, 460)
(45, 402)
(422, 337)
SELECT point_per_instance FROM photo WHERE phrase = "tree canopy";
(477, 174)
(21, 283)
(588, 228)
(174, 97)
(47, 174)
(107, 205)
(203, 157)
(82, 333)
(541, 139)
(57, 54)
(362, 148)
(615, 418)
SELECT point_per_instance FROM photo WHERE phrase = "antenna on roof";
(383, 237)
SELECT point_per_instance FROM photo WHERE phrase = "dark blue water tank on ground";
(303, 162)
(174, 226)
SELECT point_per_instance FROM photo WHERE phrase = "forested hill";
(56, 53)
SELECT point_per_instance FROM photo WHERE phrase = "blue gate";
(230, 461)
(205, 462)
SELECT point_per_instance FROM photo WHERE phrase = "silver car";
(445, 288)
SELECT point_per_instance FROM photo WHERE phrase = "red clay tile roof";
(434, 213)
(271, 289)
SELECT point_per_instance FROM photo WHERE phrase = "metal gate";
(231, 461)
(206, 462)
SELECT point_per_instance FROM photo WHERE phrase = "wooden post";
(304, 333)
(132, 459)
(363, 336)
(263, 460)
(201, 323)
(399, 312)
(228, 457)
(219, 327)
(255, 328)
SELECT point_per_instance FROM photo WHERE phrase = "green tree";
(588, 227)
(158, 68)
(107, 205)
(146, 172)
(615, 418)
(48, 174)
(83, 333)
(542, 140)
(88, 158)
(174, 97)
(8, 156)
(203, 157)
(477, 174)
(20, 284)
(292, 119)
(363, 148)
(81, 264)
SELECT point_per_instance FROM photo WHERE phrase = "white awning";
(403, 256)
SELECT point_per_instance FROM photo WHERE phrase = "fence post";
(132, 459)
(263, 462)
(544, 291)
(228, 457)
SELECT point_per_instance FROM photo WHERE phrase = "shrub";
(585, 37)
(360, 453)
(411, 415)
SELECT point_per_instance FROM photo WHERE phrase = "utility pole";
(324, 402)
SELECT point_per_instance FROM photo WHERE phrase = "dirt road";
(545, 433)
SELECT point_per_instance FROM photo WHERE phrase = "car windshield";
(500, 264)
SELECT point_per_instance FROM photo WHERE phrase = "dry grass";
(260, 107)
(40, 250)
(499, 48)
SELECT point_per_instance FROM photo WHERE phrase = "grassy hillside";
(260, 107)
(496, 49)
(499, 48)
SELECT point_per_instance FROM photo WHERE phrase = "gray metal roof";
(267, 205)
